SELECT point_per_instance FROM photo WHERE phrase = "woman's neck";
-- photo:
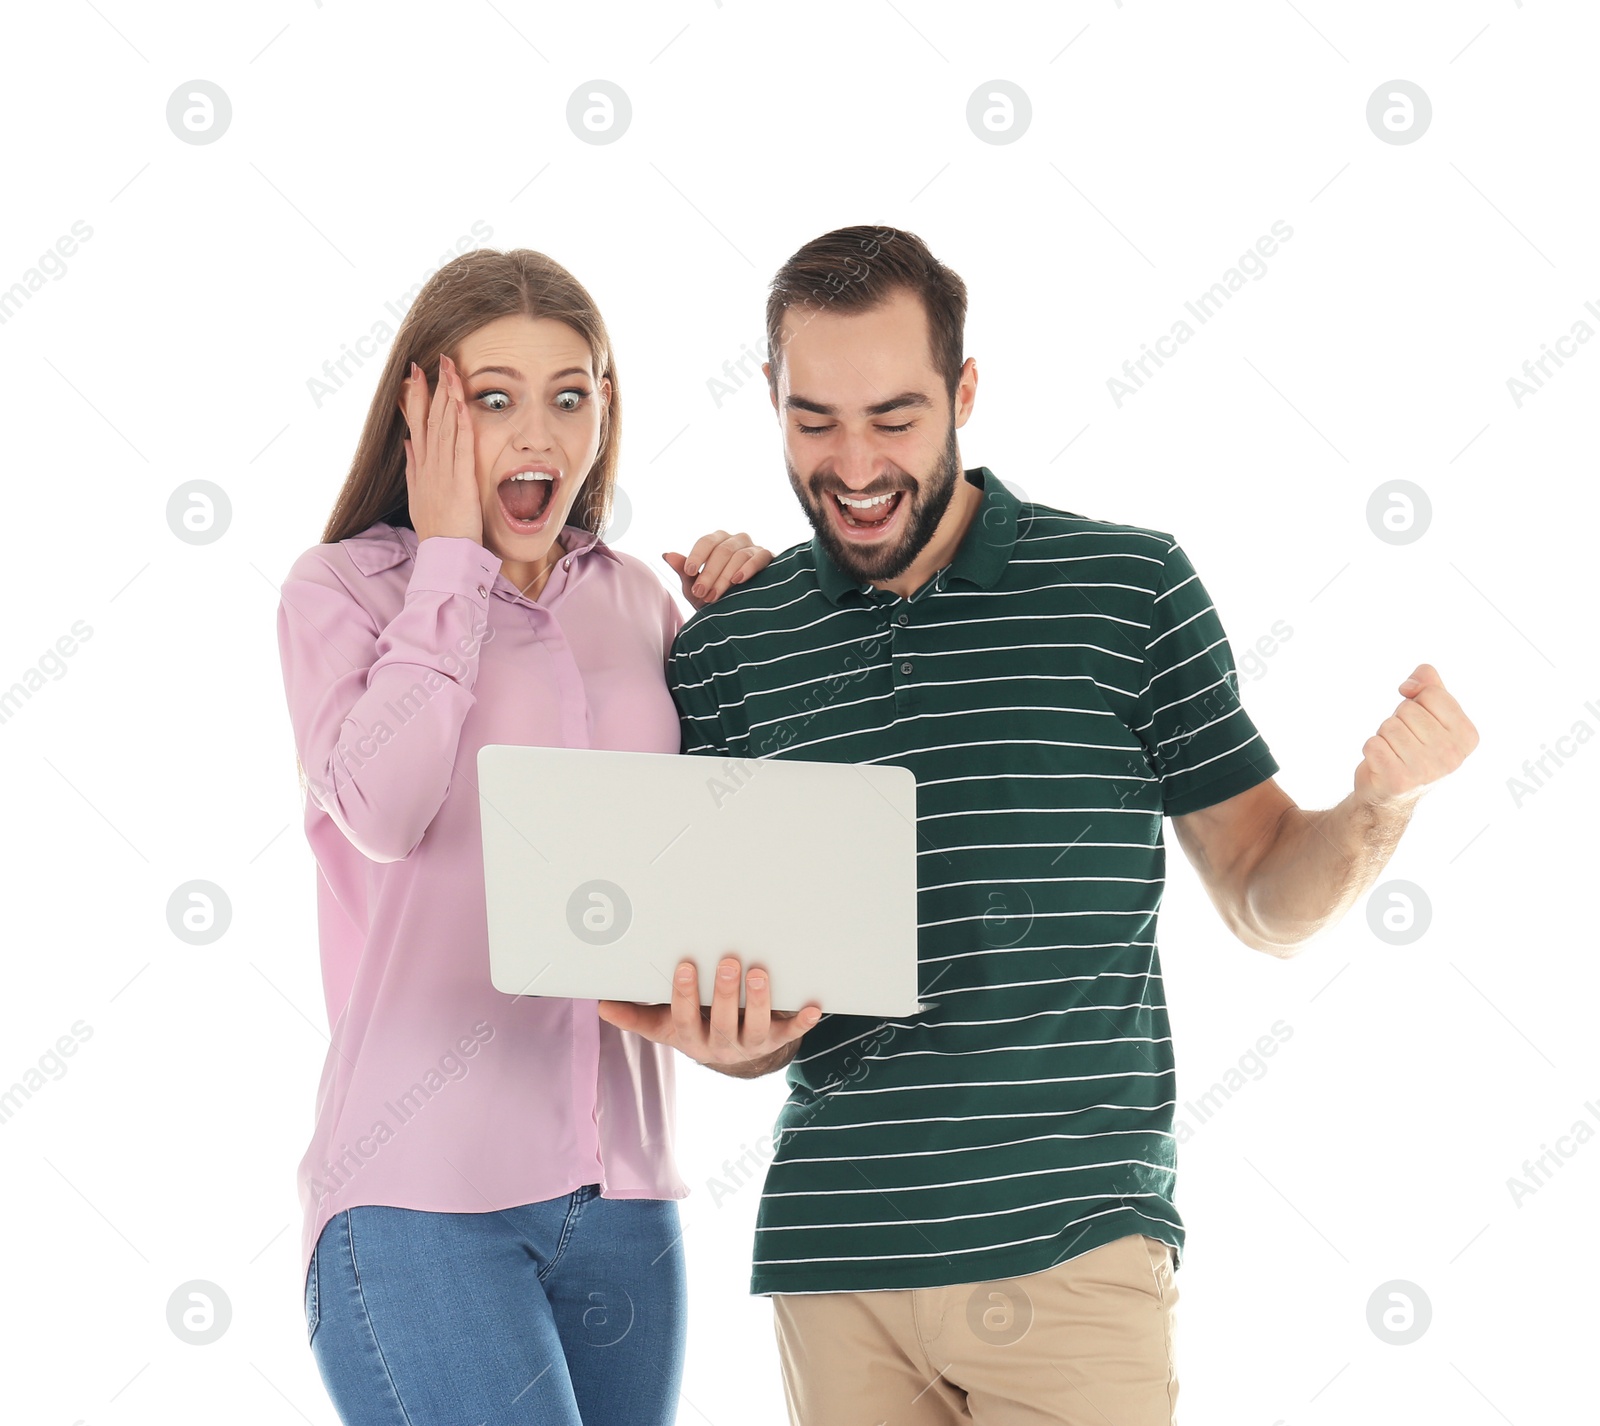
(532, 577)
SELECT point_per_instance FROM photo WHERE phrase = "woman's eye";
(492, 395)
(576, 399)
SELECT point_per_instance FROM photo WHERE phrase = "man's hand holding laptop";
(744, 1043)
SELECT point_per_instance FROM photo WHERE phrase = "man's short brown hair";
(856, 269)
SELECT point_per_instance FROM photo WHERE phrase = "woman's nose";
(529, 436)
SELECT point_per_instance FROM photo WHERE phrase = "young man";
(969, 1212)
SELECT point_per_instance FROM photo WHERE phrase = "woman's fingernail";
(685, 974)
(699, 591)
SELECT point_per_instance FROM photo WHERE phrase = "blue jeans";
(558, 1313)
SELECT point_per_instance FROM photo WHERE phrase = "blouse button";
(484, 592)
(567, 563)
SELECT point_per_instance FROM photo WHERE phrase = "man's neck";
(941, 549)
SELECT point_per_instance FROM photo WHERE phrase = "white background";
(1165, 140)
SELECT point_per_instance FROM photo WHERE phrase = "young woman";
(491, 1226)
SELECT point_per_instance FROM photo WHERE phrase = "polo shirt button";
(905, 668)
(903, 619)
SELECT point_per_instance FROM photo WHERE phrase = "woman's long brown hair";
(467, 293)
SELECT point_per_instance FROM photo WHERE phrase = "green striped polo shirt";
(1057, 689)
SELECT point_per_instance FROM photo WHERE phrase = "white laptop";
(602, 870)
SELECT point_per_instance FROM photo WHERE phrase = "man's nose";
(855, 462)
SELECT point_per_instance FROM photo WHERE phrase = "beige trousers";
(1085, 1343)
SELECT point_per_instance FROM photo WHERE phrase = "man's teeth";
(864, 504)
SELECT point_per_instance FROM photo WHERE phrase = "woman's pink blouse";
(399, 662)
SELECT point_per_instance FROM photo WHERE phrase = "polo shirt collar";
(980, 559)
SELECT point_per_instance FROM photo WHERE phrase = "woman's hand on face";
(441, 471)
(716, 561)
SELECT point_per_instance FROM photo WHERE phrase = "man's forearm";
(1319, 863)
(754, 1069)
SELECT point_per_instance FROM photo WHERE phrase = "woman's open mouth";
(865, 517)
(527, 497)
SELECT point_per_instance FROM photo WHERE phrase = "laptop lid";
(603, 869)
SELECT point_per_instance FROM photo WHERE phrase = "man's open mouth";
(526, 497)
(866, 515)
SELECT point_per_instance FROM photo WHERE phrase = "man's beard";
(928, 499)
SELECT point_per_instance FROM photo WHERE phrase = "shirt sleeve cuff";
(1239, 778)
(453, 564)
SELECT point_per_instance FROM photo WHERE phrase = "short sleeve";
(1200, 740)
(693, 688)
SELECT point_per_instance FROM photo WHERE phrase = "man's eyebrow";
(516, 375)
(895, 403)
